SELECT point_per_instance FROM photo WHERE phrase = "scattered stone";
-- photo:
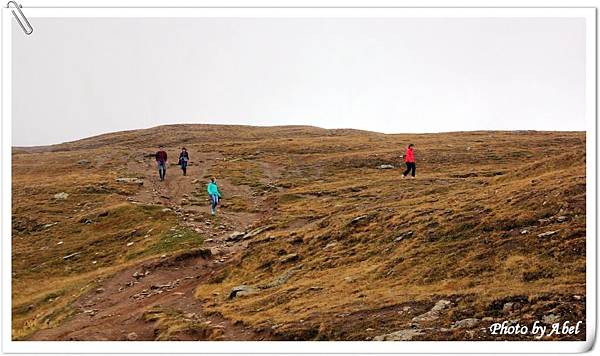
(349, 279)
(385, 166)
(550, 319)
(487, 318)
(49, 225)
(400, 335)
(435, 312)
(86, 221)
(468, 323)
(195, 181)
(129, 243)
(282, 278)
(330, 245)
(404, 235)
(562, 218)
(524, 232)
(59, 243)
(61, 196)
(548, 233)
(358, 219)
(241, 290)
(137, 181)
(132, 336)
(292, 257)
(255, 232)
(235, 236)
(508, 307)
(83, 162)
(71, 255)
(100, 290)
(315, 288)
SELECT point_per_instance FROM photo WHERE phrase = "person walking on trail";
(409, 159)
(183, 160)
(161, 160)
(214, 194)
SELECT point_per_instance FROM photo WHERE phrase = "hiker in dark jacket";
(183, 160)
(161, 160)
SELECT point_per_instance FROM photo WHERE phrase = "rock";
(235, 236)
(83, 162)
(358, 219)
(292, 257)
(137, 181)
(255, 232)
(132, 336)
(242, 290)
(523, 232)
(548, 233)
(61, 196)
(550, 319)
(166, 210)
(86, 221)
(137, 275)
(385, 166)
(468, 323)
(195, 181)
(508, 307)
(282, 278)
(49, 225)
(349, 279)
(59, 243)
(400, 335)
(71, 255)
(562, 218)
(129, 243)
(404, 235)
(487, 318)
(435, 312)
(329, 245)
(100, 290)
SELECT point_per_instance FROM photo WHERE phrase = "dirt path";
(115, 310)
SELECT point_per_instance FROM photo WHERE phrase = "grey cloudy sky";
(76, 77)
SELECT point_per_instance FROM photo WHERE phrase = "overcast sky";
(75, 78)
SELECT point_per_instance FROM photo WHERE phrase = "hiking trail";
(115, 309)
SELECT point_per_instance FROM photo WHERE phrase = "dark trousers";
(410, 166)
(183, 164)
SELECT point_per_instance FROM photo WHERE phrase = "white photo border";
(10, 346)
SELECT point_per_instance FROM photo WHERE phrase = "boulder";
(292, 257)
(235, 236)
(400, 335)
(385, 166)
(61, 196)
(241, 290)
(548, 233)
(435, 312)
(130, 181)
(468, 323)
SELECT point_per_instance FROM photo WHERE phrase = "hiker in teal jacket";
(214, 194)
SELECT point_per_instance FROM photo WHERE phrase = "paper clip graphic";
(28, 31)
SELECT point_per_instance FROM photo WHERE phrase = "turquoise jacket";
(213, 189)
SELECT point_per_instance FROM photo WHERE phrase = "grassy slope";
(475, 194)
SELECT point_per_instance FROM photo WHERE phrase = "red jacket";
(409, 156)
(161, 156)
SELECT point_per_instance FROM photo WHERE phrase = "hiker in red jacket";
(161, 160)
(409, 158)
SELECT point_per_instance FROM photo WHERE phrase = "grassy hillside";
(494, 225)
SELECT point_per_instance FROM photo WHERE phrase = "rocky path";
(124, 306)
